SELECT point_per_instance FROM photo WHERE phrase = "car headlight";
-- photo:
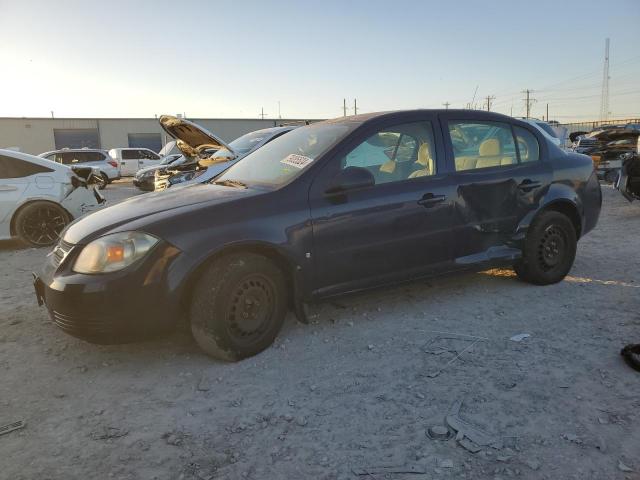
(113, 252)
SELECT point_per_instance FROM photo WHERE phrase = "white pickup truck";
(130, 160)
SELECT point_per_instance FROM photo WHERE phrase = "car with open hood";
(144, 178)
(39, 198)
(207, 155)
(329, 208)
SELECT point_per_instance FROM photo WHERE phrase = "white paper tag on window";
(298, 161)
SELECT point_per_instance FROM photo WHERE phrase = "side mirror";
(351, 178)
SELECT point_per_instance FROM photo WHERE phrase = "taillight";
(113, 163)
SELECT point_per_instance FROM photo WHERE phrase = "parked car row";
(317, 211)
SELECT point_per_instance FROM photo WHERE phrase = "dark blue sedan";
(333, 207)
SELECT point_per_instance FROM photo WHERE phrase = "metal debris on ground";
(519, 337)
(439, 432)
(469, 431)
(631, 355)
(12, 427)
(623, 468)
(384, 470)
(108, 433)
(433, 348)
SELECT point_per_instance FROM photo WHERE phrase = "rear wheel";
(105, 181)
(549, 249)
(238, 306)
(40, 223)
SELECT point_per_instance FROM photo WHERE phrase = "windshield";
(281, 160)
(244, 144)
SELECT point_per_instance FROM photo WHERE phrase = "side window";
(14, 168)
(527, 145)
(481, 144)
(129, 154)
(146, 154)
(395, 154)
(66, 158)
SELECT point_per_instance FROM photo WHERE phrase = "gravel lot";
(356, 390)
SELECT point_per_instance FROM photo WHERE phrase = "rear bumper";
(110, 308)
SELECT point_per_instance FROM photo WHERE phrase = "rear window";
(15, 168)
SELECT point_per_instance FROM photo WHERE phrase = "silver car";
(98, 159)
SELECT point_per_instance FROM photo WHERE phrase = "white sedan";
(39, 198)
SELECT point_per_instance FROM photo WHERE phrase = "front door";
(396, 229)
(501, 176)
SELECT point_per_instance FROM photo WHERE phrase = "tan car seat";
(425, 161)
(490, 155)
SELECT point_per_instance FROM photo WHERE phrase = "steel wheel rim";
(552, 248)
(43, 226)
(251, 308)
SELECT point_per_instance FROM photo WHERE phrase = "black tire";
(39, 224)
(105, 181)
(549, 249)
(238, 306)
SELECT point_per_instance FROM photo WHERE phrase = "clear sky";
(113, 58)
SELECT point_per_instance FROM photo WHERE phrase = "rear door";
(398, 228)
(502, 171)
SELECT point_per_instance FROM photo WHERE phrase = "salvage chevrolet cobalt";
(326, 209)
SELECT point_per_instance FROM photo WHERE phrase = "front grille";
(81, 326)
(60, 252)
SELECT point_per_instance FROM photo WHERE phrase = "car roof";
(399, 114)
(62, 150)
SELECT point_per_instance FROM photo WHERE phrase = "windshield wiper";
(231, 183)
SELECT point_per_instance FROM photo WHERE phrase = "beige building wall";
(35, 135)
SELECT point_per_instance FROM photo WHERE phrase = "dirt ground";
(354, 391)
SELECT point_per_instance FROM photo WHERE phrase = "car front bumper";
(116, 307)
(146, 184)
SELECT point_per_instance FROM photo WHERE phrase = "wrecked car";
(628, 182)
(329, 208)
(606, 147)
(39, 198)
(206, 154)
(144, 178)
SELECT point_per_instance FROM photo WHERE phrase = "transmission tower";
(604, 99)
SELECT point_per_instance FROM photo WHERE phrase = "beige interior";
(489, 155)
(424, 160)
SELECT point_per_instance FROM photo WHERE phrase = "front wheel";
(238, 306)
(40, 223)
(103, 181)
(549, 249)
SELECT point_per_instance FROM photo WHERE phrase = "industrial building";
(37, 135)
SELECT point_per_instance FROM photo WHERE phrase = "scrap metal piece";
(4, 429)
(439, 432)
(467, 429)
(417, 469)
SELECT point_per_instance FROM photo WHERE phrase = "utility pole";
(262, 114)
(528, 101)
(446, 105)
(547, 112)
(344, 107)
(489, 98)
(355, 107)
(604, 99)
(279, 116)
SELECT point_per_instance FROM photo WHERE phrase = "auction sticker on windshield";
(298, 161)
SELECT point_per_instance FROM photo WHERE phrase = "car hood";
(137, 208)
(191, 138)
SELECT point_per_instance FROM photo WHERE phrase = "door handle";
(428, 200)
(528, 184)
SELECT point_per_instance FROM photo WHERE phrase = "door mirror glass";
(351, 178)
